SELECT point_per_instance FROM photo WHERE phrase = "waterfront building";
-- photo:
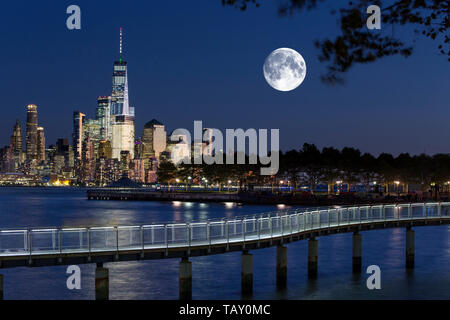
(138, 148)
(125, 160)
(60, 160)
(16, 145)
(208, 141)
(153, 141)
(7, 159)
(92, 129)
(104, 150)
(103, 117)
(151, 174)
(197, 148)
(122, 136)
(18, 178)
(122, 115)
(40, 144)
(16, 138)
(120, 104)
(137, 170)
(65, 151)
(62, 146)
(43, 169)
(77, 133)
(31, 134)
(88, 163)
(107, 171)
(179, 149)
(50, 156)
(69, 158)
(119, 97)
(58, 163)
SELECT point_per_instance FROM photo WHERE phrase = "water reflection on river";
(218, 277)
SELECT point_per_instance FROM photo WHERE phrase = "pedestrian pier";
(100, 245)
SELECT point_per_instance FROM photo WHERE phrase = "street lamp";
(433, 187)
(281, 184)
(448, 188)
(398, 190)
(339, 182)
(188, 184)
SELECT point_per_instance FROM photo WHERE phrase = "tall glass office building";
(122, 115)
(103, 116)
(119, 97)
(77, 134)
(31, 137)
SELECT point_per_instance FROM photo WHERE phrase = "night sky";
(198, 60)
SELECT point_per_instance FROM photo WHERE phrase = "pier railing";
(184, 235)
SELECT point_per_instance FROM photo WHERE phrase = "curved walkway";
(42, 247)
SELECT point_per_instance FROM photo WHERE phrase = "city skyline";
(378, 109)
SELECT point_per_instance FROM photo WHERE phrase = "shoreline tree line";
(310, 166)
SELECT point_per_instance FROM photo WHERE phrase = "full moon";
(284, 69)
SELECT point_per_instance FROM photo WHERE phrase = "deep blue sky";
(198, 60)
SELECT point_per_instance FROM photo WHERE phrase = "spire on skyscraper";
(121, 43)
(119, 96)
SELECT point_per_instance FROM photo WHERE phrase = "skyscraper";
(16, 138)
(179, 148)
(40, 144)
(77, 133)
(87, 160)
(208, 141)
(119, 98)
(31, 136)
(104, 150)
(6, 159)
(154, 139)
(122, 116)
(103, 116)
(65, 151)
(92, 130)
(122, 136)
(16, 145)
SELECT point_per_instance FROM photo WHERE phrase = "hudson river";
(218, 276)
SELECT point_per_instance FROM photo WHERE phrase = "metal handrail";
(187, 235)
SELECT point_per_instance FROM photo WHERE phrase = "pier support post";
(357, 253)
(409, 248)
(247, 273)
(313, 250)
(101, 282)
(1, 287)
(281, 267)
(185, 279)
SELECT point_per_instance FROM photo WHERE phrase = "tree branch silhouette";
(356, 44)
